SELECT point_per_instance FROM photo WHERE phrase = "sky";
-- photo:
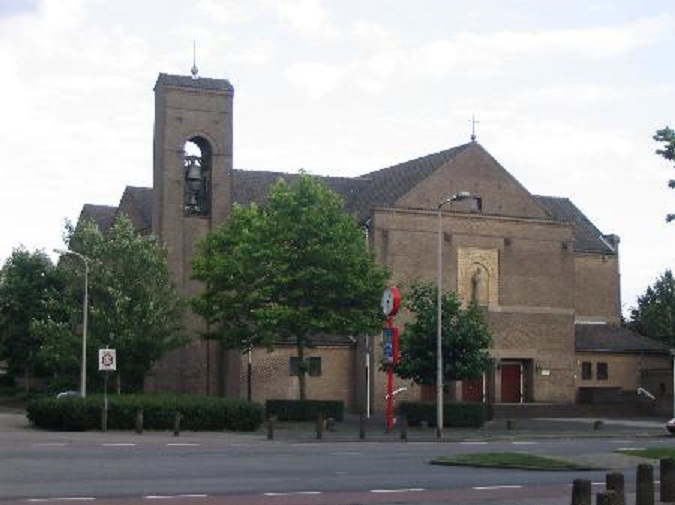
(567, 96)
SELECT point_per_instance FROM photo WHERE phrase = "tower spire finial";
(194, 70)
(473, 127)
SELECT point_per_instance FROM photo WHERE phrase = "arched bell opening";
(197, 176)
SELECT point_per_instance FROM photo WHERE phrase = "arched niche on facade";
(197, 164)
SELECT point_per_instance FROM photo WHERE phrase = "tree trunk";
(301, 371)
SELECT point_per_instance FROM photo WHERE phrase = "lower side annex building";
(550, 279)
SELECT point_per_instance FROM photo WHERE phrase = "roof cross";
(473, 127)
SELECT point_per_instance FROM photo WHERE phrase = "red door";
(472, 390)
(510, 382)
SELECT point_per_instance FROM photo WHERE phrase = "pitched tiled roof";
(381, 188)
(101, 215)
(384, 187)
(253, 186)
(614, 338)
(186, 81)
(587, 238)
(142, 200)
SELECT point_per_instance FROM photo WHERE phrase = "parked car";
(670, 426)
(68, 394)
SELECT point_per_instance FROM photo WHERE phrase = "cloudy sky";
(568, 95)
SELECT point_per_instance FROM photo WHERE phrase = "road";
(240, 469)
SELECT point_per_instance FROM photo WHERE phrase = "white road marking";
(62, 498)
(523, 443)
(169, 497)
(404, 490)
(49, 444)
(119, 444)
(473, 443)
(291, 493)
(488, 488)
(630, 448)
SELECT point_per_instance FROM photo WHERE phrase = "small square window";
(586, 371)
(602, 371)
(313, 366)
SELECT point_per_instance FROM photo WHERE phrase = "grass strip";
(515, 460)
(653, 453)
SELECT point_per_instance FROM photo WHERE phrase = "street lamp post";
(462, 195)
(85, 311)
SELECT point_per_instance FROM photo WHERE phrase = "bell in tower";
(196, 186)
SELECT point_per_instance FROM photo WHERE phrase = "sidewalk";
(14, 420)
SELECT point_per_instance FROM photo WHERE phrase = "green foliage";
(292, 270)
(466, 339)
(458, 415)
(667, 137)
(133, 305)
(304, 410)
(197, 413)
(508, 460)
(29, 284)
(654, 315)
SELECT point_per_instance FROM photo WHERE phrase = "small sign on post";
(107, 360)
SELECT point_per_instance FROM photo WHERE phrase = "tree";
(667, 137)
(654, 315)
(133, 305)
(466, 339)
(28, 283)
(291, 271)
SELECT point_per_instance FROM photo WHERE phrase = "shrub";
(159, 411)
(304, 410)
(461, 415)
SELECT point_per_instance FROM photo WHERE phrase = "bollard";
(404, 427)
(581, 492)
(607, 498)
(597, 425)
(104, 419)
(614, 481)
(362, 426)
(139, 421)
(176, 424)
(319, 425)
(270, 428)
(667, 476)
(510, 425)
(644, 488)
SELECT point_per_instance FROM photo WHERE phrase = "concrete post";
(667, 476)
(607, 498)
(614, 481)
(581, 492)
(362, 426)
(270, 428)
(319, 425)
(176, 424)
(644, 489)
(404, 427)
(139, 421)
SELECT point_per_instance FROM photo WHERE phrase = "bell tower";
(192, 190)
(192, 194)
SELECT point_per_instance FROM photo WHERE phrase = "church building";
(547, 278)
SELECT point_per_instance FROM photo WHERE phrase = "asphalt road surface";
(238, 469)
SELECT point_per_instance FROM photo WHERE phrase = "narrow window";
(196, 174)
(586, 371)
(294, 366)
(602, 371)
(314, 366)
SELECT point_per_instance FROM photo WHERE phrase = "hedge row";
(460, 415)
(197, 413)
(304, 410)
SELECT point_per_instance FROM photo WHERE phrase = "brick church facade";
(551, 278)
